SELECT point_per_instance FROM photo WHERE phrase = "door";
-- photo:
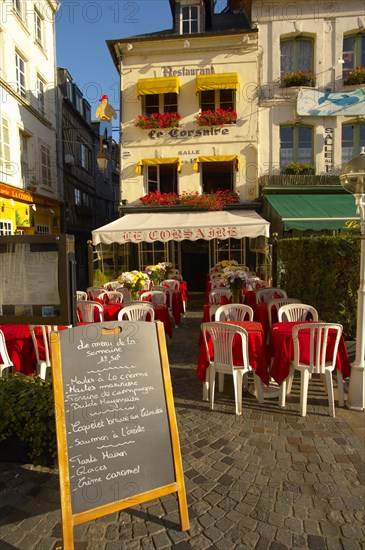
(195, 263)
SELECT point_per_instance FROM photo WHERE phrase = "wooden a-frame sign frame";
(69, 520)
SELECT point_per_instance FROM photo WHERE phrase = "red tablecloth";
(257, 351)
(281, 349)
(20, 347)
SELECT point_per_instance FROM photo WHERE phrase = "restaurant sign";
(182, 134)
(176, 234)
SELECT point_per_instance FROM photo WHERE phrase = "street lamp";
(102, 160)
(353, 180)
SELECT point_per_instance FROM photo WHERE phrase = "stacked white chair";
(6, 365)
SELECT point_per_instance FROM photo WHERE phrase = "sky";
(82, 28)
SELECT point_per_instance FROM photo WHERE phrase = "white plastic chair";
(222, 335)
(217, 294)
(44, 366)
(269, 293)
(277, 303)
(127, 297)
(176, 276)
(114, 296)
(87, 310)
(6, 365)
(96, 292)
(173, 284)
(234, 312)
(81, 295)
(318, 362)
(111, 285)
(155, 296)
(297, 312)
(218, 283)
(137, 312)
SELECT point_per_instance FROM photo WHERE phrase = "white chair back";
(6, 365)
(276, 304)
(155, 296)
(216, 295)
(44, 365)
(111, 285)
(87, 311)
(95, 292)
(81, 295)
(269, 293)
(127, 297)
(114, 296)
(137, 312)
(234, 312)
(297, 312)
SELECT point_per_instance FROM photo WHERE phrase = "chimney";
(239, 6)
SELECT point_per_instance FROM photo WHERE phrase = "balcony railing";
(286, 180)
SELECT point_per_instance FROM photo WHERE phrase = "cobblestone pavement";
(266, 480)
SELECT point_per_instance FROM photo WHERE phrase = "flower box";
(299, 78)
(298, 168)
(158, 120)
(219, 117)
(357, 76)
(205, 201)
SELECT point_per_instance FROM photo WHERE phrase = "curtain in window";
(305, 55)
(287, 56)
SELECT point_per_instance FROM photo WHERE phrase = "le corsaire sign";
(180, 226)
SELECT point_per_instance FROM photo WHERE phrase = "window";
(77, 196)
(38, 34)
(152, 253)
(78, 101)
(160, 103)
(210, 100)
(296, 54)
(353, 53)
(5, 228)
(20, 74)
(353, 137)
(162, 178)
(18, 8)
(42, 229)
(296, 144)
(217, 176)
(5, 164)
(85, 157)
(45, 166)
(23, 141)
(189, 19)
(40, 95)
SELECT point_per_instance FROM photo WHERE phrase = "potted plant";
(296, 168)
(298, 78)
(158, 120)
(357, 76)
(218, 117)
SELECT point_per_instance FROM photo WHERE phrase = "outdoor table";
(281, 350)
(257, 351)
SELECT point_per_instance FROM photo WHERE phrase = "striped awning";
(155, 161)
(162, 85)
(223, 81)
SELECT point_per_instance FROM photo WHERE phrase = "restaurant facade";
(206, 63)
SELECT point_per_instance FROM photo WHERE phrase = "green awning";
(316, 212)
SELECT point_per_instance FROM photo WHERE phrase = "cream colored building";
(207, 61)
(29, 191)
(329, 40)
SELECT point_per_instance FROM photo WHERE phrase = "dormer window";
(189, 19)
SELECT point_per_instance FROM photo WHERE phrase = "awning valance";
(180, 226)
(315, 211)
(216, 158)
(153, 161)
(161, 85)
(223, 81)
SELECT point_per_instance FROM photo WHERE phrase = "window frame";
(41, 86)
(5, 149)
(295, 66)
(6, 227)
(20, 74)
(190, 19)
(85, 157)
(218, 104)
(357, 139)
(358, 53)
(215, 165)
(160, 103)
(296, 142)
(42, 229)
(77, 196)
(24, 158)
(38, 28)
(45, 165)
(153, 182)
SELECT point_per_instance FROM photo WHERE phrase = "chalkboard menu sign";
(116, 425)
